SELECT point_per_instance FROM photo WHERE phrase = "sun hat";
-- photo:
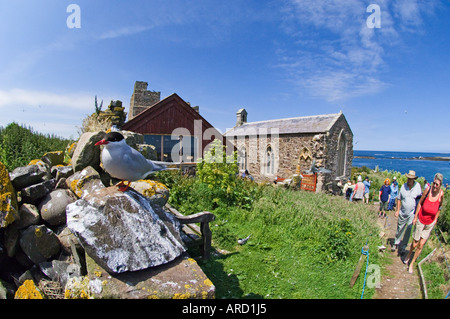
(411, 174)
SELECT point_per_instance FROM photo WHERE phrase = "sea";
(403, 162)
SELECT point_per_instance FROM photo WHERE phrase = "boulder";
(29, 215)
(28, 290)
(35, 193)
(8, 201)
(39, 243)
(53, 158)
(84, 182)
(53, 206)
(156, 192)
(59, 172)
(25, 176)
(60, 271)
(122, 232)
(86, 153)
(149, 151)
(181, 278)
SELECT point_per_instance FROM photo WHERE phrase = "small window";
(270, 161)
(242, 159)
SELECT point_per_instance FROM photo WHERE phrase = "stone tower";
(141, 99)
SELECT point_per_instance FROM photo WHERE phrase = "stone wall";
(142, 99)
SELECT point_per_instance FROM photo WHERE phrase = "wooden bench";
(200, 235)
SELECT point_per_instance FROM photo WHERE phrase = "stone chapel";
(284, 147)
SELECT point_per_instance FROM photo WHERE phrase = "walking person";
(358, 192)
(406, 207)
(384, 196)
(394, 193)
(367, 183)
(428, 209)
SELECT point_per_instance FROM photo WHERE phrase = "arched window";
(341, 154)
(242, 159)
(270, 161)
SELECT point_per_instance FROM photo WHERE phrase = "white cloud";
(21, 97)
(125, 31)
(338, 55)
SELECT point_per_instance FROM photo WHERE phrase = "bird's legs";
(123, 186)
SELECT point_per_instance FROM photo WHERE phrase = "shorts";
(366, 195)
(384, 205)
(422, 231)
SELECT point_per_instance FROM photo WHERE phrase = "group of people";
(412, 207)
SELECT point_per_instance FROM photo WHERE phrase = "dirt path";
(396, 281)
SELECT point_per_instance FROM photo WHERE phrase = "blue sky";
(277, 59)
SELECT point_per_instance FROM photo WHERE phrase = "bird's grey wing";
(137, 162)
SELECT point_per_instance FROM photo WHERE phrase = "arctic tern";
(125, 163)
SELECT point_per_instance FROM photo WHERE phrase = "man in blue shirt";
(366, 189)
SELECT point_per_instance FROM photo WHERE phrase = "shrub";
(19, 145)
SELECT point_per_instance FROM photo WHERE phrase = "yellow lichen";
(181, 296)
(8, 201)
(38, 232)
(208, 282)
(28, 290)
(98, 273)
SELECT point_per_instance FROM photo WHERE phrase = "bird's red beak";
(101, 142)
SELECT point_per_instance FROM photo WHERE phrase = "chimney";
(241, 117)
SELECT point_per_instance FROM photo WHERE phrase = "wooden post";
(358, 267)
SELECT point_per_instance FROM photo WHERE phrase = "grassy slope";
(303, 245)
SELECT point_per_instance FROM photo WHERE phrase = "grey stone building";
(284, 147)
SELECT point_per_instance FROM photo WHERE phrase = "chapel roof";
(305, 124)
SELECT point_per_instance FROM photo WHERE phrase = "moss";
(28, 290)
(9, 211)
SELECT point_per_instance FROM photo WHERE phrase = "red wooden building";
(162, 124)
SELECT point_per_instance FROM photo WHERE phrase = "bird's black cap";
(113, 137)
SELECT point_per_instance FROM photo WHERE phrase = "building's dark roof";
(305, 124)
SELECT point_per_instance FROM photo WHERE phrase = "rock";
(8, 201)
(84, 182)
(132, 138)
(67, 239)
(149, 151)
(60, 271)
(25, 176)
(181, 278)
(6, 290)
(53, 206)
(122, 232)
(29, 215)
(59, 172)
(11, 240)
(28, 290)
(34, 193)
(86, 153)
(157, 192)
(39, 243)
(53, 158)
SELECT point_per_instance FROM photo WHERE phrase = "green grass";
(302, 245)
